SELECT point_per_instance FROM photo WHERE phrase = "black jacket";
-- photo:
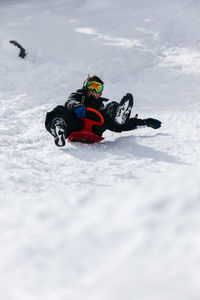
(108, 112)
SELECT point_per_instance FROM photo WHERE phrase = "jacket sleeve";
(74, 100)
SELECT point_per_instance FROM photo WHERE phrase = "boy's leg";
(59, 130)
(120, 112)
(60, 123)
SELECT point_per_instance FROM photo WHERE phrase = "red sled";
(86, 135)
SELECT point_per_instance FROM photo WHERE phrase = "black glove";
(155, 124)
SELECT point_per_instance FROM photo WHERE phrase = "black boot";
(60, 131)
(124, 109)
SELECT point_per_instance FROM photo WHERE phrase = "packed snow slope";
(116, 220)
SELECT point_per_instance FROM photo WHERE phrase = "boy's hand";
(80, 111)
(154, 123)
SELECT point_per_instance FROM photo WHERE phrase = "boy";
(63, 120)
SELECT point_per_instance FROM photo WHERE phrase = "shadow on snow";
(123, 147)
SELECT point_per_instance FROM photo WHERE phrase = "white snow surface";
(119, 219)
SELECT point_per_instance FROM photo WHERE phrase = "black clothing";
(22, 52)
(108, 112)
(59, 131)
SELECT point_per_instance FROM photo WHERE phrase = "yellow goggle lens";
(94, 86)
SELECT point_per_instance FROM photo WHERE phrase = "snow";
(116, 220)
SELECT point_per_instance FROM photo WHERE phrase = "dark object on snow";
(153, 123)
(22, 52)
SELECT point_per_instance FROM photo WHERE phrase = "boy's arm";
(74, 101)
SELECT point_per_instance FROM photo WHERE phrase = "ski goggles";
(94, 86)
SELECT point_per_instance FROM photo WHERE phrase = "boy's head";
(94, 86)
